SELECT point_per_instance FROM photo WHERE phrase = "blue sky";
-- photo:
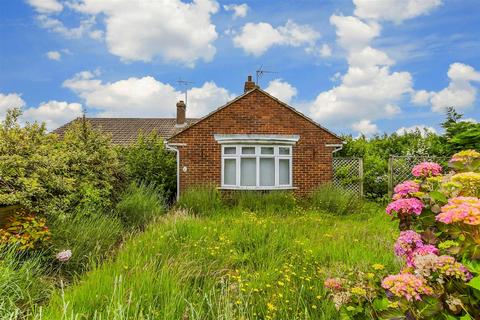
(368, 66)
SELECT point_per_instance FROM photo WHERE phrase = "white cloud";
(143, 97)
(460, 93)
(423, 129)
(257, 38)
(369, 90)
(206, 98)
(57, 26)
(46, 6)
(144, 30)
(239, 10)
(54, 55)
(53, 113)
(393, 10)
(421, 98)
(323, 51)
(9, 101)
(353, 33)
(281, 90)
(365, 127)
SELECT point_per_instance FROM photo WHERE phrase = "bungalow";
(254, 142)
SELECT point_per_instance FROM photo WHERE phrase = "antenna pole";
(185, 83)
(260, 72)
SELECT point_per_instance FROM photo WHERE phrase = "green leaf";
(438, 196)
(380, 304)
(475, 283)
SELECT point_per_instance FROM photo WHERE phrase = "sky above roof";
(361, 66)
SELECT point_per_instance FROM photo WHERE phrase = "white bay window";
(247, 166)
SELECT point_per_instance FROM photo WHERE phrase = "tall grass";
(21, 284)
(234, 266)
(89, 237)
(140, 205)
(271, 202)
(201, 200)
(336, 200)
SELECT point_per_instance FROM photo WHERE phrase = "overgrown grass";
(21, 284)
(140, 205)
(89, 237)
(336, 200)
(229, 266)
(271, 202)
(201, 200)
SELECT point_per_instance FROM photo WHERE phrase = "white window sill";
(257, 188)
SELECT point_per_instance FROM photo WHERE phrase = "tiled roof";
(125, 130)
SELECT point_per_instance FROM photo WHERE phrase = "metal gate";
(348, 174)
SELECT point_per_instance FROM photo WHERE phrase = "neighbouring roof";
(243, 95)
(125, 130)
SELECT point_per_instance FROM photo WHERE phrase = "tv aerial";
(186, 84)
(260, 72)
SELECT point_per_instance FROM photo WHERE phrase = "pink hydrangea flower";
(405, 206)
(333, 284)
(405, 189)
(427, 169)
(448, 266)
(406, 285)
(425, 249)
(461, 209)
(64, 256)
(407, 243)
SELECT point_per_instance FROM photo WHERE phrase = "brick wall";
(255, 113)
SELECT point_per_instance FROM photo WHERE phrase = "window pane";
(230, 172)
(284, 150)
(248, 172)
(230, 150)
(267, 171)
(284, 171)
(267, 150)
(248, 150)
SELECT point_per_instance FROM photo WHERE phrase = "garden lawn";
(234, 265)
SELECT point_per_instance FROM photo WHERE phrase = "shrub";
(201, 200)
(88, 237)
(335, 200)
(25, 231)
(272, 202)
(30, 164)
(93, 169)
(21, 284)
(439, 217)
(140, 205)
(148, 162)
(48, 175)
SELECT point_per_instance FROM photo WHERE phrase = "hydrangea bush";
(439, 244)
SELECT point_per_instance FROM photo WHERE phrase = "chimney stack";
(181, 112)
(249, 84)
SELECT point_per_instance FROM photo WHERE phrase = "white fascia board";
(256, 138)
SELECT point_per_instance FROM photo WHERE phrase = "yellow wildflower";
(378, 266)
(358, 291)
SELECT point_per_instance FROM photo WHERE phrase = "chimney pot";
(181, 113)
(249, 84)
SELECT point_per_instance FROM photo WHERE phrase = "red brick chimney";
(249, 84)
(181, 111)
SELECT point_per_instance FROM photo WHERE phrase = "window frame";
(257, 156)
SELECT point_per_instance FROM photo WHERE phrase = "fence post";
(360, 175)
(390, 177)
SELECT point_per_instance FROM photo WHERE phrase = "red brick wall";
(255, 113)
